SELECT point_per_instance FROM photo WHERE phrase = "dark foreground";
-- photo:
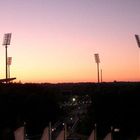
(107, 104)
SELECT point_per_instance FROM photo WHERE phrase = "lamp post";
(6, 42)
(97, 60)
(50, 131)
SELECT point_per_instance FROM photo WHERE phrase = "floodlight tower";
(138, 40)
(6, 42)
(97, 60)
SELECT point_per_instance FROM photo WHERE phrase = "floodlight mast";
(97, 60)
(6, 60)
(137, 40)
(6, 42)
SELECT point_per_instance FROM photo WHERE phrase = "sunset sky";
(55, 40)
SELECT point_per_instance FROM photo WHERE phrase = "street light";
(73, 99)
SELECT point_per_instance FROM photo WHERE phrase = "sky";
(55, 40)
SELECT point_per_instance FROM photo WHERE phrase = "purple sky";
(55, 40)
